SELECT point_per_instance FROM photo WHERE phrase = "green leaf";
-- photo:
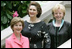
(3, 4)
(4, 19)
(9, 5)
(10, 17)
(7, 8)
(23, 7)
(24, 11)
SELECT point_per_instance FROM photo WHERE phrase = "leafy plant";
(8, 8)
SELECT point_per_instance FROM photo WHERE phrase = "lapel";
(16, 40)
(62, 23)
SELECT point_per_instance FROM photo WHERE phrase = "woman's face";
(32, 11)
(17, 28)
(58, 14)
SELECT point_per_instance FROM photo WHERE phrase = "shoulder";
(43, 23)
(67, 23)
(9, 39)
(25, 38)
(25, 21)
(49, 24)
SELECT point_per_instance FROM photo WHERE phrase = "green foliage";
(8, 8)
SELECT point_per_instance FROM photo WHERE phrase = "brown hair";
(16, 20)
(39, 10)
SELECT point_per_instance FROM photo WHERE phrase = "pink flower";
(15, 14)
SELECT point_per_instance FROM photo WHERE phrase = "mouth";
(57, 17)
(32, 13)
(18, 30)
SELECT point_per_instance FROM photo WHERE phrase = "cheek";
(36, 13)
(21, 28)
(62, 15)
(14, 28)
(29, 11)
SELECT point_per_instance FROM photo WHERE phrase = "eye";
(34, 10)
(30, 9)
(55, 13)
(16, 25)
(20, 25)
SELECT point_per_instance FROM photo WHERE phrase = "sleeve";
(46, 36)
(28, 43)
(69, 31)
(48, 26)
(7, 44)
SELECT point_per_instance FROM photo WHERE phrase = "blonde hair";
(58, 6)
(16, 20)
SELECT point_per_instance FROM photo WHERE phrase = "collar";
(60, 25)
(16, 40)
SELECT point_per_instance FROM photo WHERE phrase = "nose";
(58, 14)
(18, 26)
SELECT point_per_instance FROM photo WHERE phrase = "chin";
(58, 19)
(18, 31)
(31, 15)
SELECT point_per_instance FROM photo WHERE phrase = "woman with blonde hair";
(60, 30)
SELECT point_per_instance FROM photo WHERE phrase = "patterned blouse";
(37, 33)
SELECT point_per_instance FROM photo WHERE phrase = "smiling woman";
(60, 30)
(16, 40)
(35, 29)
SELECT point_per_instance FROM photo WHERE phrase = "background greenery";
(8, 8)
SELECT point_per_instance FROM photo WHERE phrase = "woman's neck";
(18, 36)
(33, 19)
(58, 23)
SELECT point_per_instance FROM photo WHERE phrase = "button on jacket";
(13, 42)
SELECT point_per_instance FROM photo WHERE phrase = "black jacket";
(61, 36)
